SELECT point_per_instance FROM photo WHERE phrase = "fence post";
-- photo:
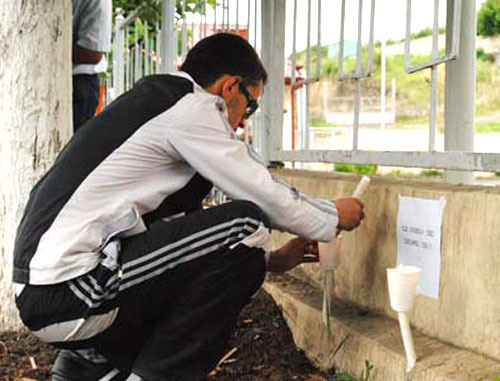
(460, 89)
(168, 32)
(118, 59)
(273, 57)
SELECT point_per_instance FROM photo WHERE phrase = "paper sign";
(419, 240)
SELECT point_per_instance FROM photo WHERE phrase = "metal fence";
(263, 24)
(459, 108)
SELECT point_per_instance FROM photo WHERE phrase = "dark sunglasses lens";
(251, 108)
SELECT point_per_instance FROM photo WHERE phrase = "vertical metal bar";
(167, 35)
(118, 77)
(223, 15)
(184, 31)
(192, 27)
(202, 19)
(130, 80)
(382, 84)
(255, 26)
(215, 16)
(267, 28)
(308, 73)
(174, 45)
(237, 17)
(294, 41)
(275, 129)
(370, 43)
(359, 56)
(248, 21)
(127, 61)
(434, 71)
(460, 88)
(357, 101)
(318, 49)
(157, 48)
(341, 43)
(407, 34)
(146, 48)
(136, 51)
(200, 24)
(357, 95)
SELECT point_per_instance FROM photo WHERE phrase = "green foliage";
(150, 10)
(365, 374)
(497, 378)
(487, 127)
(321, 122)
(483, 56)
(425, 33)
(364, 169)
(431, 173)
(488, 18)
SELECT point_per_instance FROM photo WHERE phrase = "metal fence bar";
(455, 160)
(127, 60)
(357, 95)
(184, 31)
(255, 26)
(452, 48)
(341, 44)
(215, 16)
(369, 69)
(168, 34)
(318, 44)
(308, 74)
(237, 16)
(157, 49)
(294, 42)
(248, 20)
(118, 56)
(223, 15)
(147, 56)
(434, 72)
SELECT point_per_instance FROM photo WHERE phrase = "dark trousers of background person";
(180, 289)
(85, 98)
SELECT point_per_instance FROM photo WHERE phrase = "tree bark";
(35, 114)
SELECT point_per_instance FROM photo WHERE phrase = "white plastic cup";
(329, 254)
(403, 281)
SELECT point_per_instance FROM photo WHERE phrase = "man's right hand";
(350, 212)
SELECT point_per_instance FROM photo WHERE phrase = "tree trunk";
(35, 114)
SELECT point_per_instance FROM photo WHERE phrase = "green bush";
(488, 18)
(483, 56)
(364, 169)
(431, 173)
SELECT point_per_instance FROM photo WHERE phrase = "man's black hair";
(220, 54)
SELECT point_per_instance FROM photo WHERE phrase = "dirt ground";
(261, 348)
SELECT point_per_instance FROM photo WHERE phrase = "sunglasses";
(252, 104)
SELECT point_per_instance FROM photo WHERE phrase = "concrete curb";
(370, 336)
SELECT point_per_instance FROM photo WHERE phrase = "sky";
(390, 19)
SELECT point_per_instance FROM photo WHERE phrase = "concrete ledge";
(370, 336)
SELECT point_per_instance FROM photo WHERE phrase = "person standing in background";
(91, 40)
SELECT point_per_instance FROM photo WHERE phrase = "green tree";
(488, 18)
(150, 10)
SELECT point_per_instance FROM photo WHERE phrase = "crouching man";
(117, 263)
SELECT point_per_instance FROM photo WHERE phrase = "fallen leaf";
(258, 368)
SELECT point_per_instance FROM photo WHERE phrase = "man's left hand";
(293, 253)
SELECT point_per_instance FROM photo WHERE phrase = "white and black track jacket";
(154, 152)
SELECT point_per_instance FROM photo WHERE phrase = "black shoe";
(73, 366)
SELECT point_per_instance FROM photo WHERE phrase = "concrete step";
(369, 336)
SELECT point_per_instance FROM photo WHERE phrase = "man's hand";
(350, 211)
(293, 253)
